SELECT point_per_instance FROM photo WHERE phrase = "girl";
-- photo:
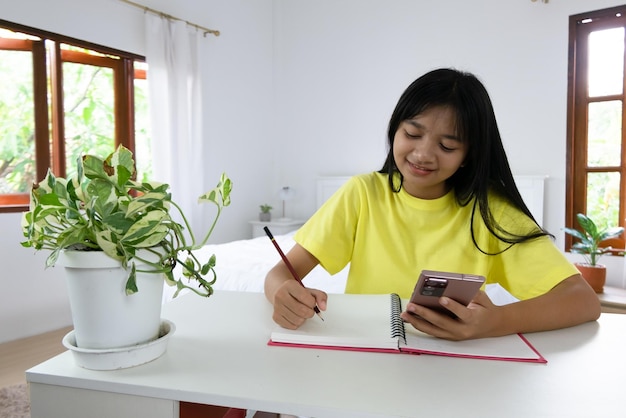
(445, 200)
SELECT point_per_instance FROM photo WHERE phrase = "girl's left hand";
(477, 320)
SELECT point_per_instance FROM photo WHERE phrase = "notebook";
(373, 323)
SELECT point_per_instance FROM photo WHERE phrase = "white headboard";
(327, 186)
(530, 187)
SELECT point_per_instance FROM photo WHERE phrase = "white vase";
(104, 316)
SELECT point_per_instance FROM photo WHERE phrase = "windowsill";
(613, 299)
(13, 208)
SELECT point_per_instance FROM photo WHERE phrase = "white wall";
(299, 89)
(238, 94)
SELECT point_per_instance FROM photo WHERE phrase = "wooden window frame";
(50, 149)
(580, 26)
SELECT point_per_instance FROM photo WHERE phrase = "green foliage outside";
(17, 151)
(605, 140)
(89, 119)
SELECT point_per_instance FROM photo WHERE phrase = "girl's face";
(427, 152)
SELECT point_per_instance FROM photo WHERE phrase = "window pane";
(17, 123)
(88, 99)
(143, 153)
(606, 62)
(603, 198)
(604, 134)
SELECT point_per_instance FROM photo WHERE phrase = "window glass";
(143, 151)
(88, 97)
(603, 198)
(17, 123)
(606, 62)
(38, 70)
(604, 135)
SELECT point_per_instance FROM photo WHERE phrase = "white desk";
(218, 355)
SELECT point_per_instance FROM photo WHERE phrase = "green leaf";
(123, 175)
(141, 230)
(131, 283)
(223, 189)
(117, 222)
(93, 167)
(574, 232)
(123, 157)
(53, 257)
(147, 201)
(169, 278)
(106, 199)
(107, 241)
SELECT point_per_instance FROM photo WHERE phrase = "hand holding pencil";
(289, 266)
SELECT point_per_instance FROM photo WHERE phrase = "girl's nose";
(423, 150)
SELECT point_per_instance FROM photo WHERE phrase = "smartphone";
(431, 285)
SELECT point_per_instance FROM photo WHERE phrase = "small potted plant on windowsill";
(589, 246)
(102, 215)
(265, 215)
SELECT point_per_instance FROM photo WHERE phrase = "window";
(60, 98)
(596, 151)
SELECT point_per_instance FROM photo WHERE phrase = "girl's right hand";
(294, 304)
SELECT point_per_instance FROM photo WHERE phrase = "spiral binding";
(397, 325)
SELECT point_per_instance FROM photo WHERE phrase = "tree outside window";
(61, 98)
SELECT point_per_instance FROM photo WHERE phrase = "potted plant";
(588, 245)
(265, 215)
(122, 234)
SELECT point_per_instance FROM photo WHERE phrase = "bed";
(243, 264)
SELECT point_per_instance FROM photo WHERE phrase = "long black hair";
(486, 167)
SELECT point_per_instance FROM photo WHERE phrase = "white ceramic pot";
(103, 315)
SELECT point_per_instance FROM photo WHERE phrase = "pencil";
(289, 266)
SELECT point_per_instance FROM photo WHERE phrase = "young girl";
(444, 200)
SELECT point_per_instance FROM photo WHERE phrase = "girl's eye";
(413, 135)
(446, 149)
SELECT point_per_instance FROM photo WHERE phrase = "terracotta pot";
(594, 275)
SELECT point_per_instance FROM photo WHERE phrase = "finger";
(289, 310)
(419, 314)
(287, 318)
(321, 298)
(425, 326)
(482, 299)
(301, 303)
(459, 310)
(426, 313)
(291, 315)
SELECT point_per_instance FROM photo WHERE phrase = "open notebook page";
(358, 321)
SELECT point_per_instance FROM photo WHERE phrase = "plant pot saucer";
(122, 357)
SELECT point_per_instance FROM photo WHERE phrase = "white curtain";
(172, 55)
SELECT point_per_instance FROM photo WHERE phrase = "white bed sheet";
(242, 266)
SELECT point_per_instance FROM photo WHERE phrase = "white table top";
(218, 355)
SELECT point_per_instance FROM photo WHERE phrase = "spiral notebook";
(373, 323)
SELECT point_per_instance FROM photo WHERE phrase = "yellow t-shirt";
(389, 238)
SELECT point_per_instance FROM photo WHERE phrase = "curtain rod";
(148, 9)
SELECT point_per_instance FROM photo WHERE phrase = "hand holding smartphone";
(432, 285)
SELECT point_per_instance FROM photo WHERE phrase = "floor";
(18, 356)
